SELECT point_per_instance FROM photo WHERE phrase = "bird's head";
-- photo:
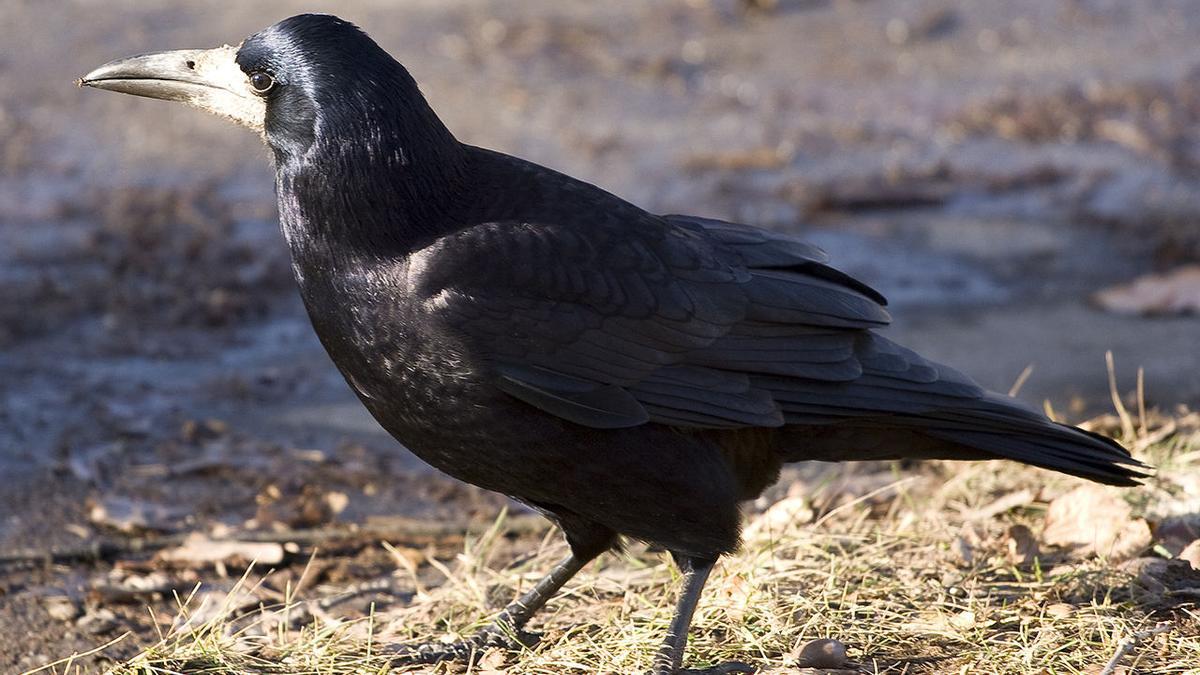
(290, 82)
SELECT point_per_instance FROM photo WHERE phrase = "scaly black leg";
(695, 573)
(670, 655)
(587, 542)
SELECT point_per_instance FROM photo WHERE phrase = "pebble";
(61, 607)
(97, 621)
(822, 653)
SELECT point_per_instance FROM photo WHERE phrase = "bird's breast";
(420, 382)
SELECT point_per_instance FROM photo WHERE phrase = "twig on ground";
(406, 530)
(1125, 646)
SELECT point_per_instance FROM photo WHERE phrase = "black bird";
(623, 372)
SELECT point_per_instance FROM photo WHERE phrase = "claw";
(466, 651)
(505, 638)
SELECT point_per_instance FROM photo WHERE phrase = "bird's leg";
(695, 573)
(505, 631)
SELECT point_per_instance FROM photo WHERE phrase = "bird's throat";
(368, 201)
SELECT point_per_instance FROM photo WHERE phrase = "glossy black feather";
(533, 334)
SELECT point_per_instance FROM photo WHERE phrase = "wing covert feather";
(683, 321)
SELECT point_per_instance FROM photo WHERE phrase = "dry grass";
(921, 570)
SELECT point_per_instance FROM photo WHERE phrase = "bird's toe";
(432, 652)
(504, 637)
(466, 651)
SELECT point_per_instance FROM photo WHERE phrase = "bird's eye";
(261, 82)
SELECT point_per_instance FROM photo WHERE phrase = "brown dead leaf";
(297, 505)
(1092, 520)
(494, 662)
(198, 549)
(133, 515)
(1060, 610)
(1175, 292)
(337, 502)
(1191, 553)
(941, 622)
(735, 594)
(96, 621)
(132, 588)
(1022, 546)
(1006, 503)
(780, 516)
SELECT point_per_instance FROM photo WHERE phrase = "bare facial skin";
(208, 79)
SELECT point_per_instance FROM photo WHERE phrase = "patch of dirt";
(104, 533)
(144, 258)
(1154, 118)
(1151, 117)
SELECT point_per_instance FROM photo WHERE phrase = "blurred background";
(1021, 179)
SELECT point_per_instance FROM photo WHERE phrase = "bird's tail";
(1002, 427)
(992, 427)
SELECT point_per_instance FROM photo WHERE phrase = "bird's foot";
(495, 636)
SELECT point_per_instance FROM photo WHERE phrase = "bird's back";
(722, 329)
(550, 338)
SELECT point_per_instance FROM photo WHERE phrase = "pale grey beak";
(209, 79)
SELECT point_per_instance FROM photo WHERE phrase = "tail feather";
(1004, 428)
(1096, 463)
(992, 427)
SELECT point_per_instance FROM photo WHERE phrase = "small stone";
(97, 621)
(898, 32)
(61, 607)
(822, 653)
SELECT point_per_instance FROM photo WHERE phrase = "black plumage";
(626, 373)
